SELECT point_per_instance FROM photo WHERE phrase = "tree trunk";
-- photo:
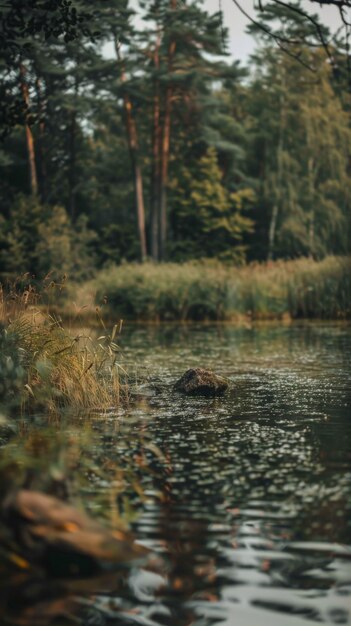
(72, 166)
(156, 149)
(41, 152)
(278, 191)
(138, 180)
(165, 148)
(311, 187)
(164, 172)
(134, 156)
(272, 231)
(29, 136)
(72, 155)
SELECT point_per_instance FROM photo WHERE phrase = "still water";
(248, 506)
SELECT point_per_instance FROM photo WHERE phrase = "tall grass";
(60, 369)
(303, 288)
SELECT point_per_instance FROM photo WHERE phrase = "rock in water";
(200, 382)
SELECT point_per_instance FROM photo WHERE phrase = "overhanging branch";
(281, 41)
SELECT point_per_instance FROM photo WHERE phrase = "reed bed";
(56, 368)
(302, 288)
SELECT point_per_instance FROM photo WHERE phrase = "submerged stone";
(201, 382)
(53, 535)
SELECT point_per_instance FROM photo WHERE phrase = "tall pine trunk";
(72, 154)
(278, 191)
(272, 231)
(156, 154)
(165, 148)
(41, 151)
(138, 180)
(134, 157)
(164, 172)
(311, 193)
(72, 166)
(29, 135)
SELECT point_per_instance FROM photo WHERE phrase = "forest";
(175, 306)
(141, 139)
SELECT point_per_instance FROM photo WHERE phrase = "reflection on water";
(250, 506)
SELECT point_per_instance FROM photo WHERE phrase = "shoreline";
(90, 319)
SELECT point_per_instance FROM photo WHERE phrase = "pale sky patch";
(241, 45)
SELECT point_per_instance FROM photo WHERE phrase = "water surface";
(249, 506)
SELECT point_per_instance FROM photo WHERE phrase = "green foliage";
(259, 156)
(301, 136)
(215, 217)
(165, 292)
(117, 243)
(21, 23)
(38, 239)
(208, 290)
(11, 369)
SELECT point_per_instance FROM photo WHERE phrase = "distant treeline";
(147, 143)
(208, 290)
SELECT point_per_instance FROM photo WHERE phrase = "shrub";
(39, 239)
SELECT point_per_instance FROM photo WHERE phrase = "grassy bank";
(206, 291)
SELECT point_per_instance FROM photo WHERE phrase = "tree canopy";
(148, 141)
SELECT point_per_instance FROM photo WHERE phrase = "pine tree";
(211, 221)
(183, 39)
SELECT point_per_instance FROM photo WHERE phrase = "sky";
(242, 45)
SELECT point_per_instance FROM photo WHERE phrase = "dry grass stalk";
(62, 370)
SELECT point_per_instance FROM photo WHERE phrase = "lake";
(247, 497)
